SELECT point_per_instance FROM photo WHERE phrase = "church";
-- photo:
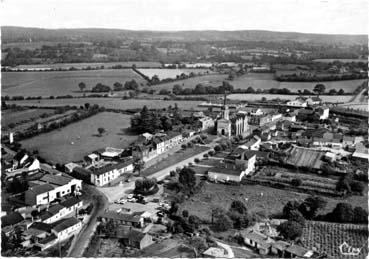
(234, 125)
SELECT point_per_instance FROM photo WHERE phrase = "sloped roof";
(71, 202)
(41, 226)
(56, 179)
(64, 224)
(11, 219)
(42, 188)
(121, 216)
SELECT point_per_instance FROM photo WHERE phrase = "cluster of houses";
(46, 213)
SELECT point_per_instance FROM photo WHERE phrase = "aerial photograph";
(184, 128)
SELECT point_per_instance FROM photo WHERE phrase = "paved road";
(81, 241)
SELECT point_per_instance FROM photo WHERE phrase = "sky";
(309, 16)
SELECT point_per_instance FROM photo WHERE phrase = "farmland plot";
(327, 237)
(304, 157)
(61, 82)
(10, 116)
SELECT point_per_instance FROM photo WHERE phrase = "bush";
(290, 230)
(295, 215)
(342, 213)
(172, 173)
(296, 182)
(183, 146)
(197, 160)
(217, 148)
(357, 187)
(211, 153)
(206, 156)
(223, 223)
(360, 216)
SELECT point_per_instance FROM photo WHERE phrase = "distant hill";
(12, 34)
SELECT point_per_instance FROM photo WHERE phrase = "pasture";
(61, 82)
(259, 198)
(257, 97)
(14, 116)
(170, 73)
(344, 60)
(211, 79)
(261, 81)
(327, 237)
(127, 64)
(109, 103)
(78, 139)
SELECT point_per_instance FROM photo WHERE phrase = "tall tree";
(319, 89)
(187, 179)
(138, 165)
(82, 86)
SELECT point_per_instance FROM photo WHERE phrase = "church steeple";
(225, 109)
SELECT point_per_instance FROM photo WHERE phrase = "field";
(262, 81)
(257, 97)
(212, 79)
(259, 198)
(10, 116)
(169, 73)
(93, 65)
(304, 157)
(327, 237)
(112, 103)
(23, 126)
(329, 60)
(61, 82)
(76, 140)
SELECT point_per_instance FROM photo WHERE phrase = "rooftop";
(121, 216)
(11, 219)
(56, 179)
(71, 202)
(63, 224)
(39, 189)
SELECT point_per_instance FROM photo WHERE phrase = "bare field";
(78, 139)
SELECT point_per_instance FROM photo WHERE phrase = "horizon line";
(178, 31)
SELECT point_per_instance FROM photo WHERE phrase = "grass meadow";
(73, 142)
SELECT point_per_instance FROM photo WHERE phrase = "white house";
(206, 123)
(53, 214)
(253, 144)
(66, 228)
(51, 187)
(234, 171)
(297, 103)
(105, 174)
(323, 113)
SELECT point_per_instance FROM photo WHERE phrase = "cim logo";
(346, 249)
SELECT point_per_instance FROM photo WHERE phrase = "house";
(47, 242)
(92, 159)
(215, 252)
(323, 113)
(108, 172)
(278, 248)
(297, 251)
(72, 204)
(69, 167)
(262, 243)
(259, 120)
(314, 100)
(66, 228)
(234, 167)
(361, 152)
(82, 174)
(133, 238)
(253, 143)
(51, 187)
(348, 141)
(298, 102)
(11, 219)
(135, 219)
(206, 123)
(53, 214)
(110, 153)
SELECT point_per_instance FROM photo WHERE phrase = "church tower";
(225, 108)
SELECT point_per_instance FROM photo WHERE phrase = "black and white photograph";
(184, 128)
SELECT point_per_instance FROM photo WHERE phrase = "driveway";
(226, 247)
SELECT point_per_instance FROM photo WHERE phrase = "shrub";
(206, 156)
(211, 153)
(197, 160)
(290, 230)
(360, 215)
(342, 213)
(295, 215)
(183, 146)
(296, 182)
(217, 148)
(357, 186)
(223, 223)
